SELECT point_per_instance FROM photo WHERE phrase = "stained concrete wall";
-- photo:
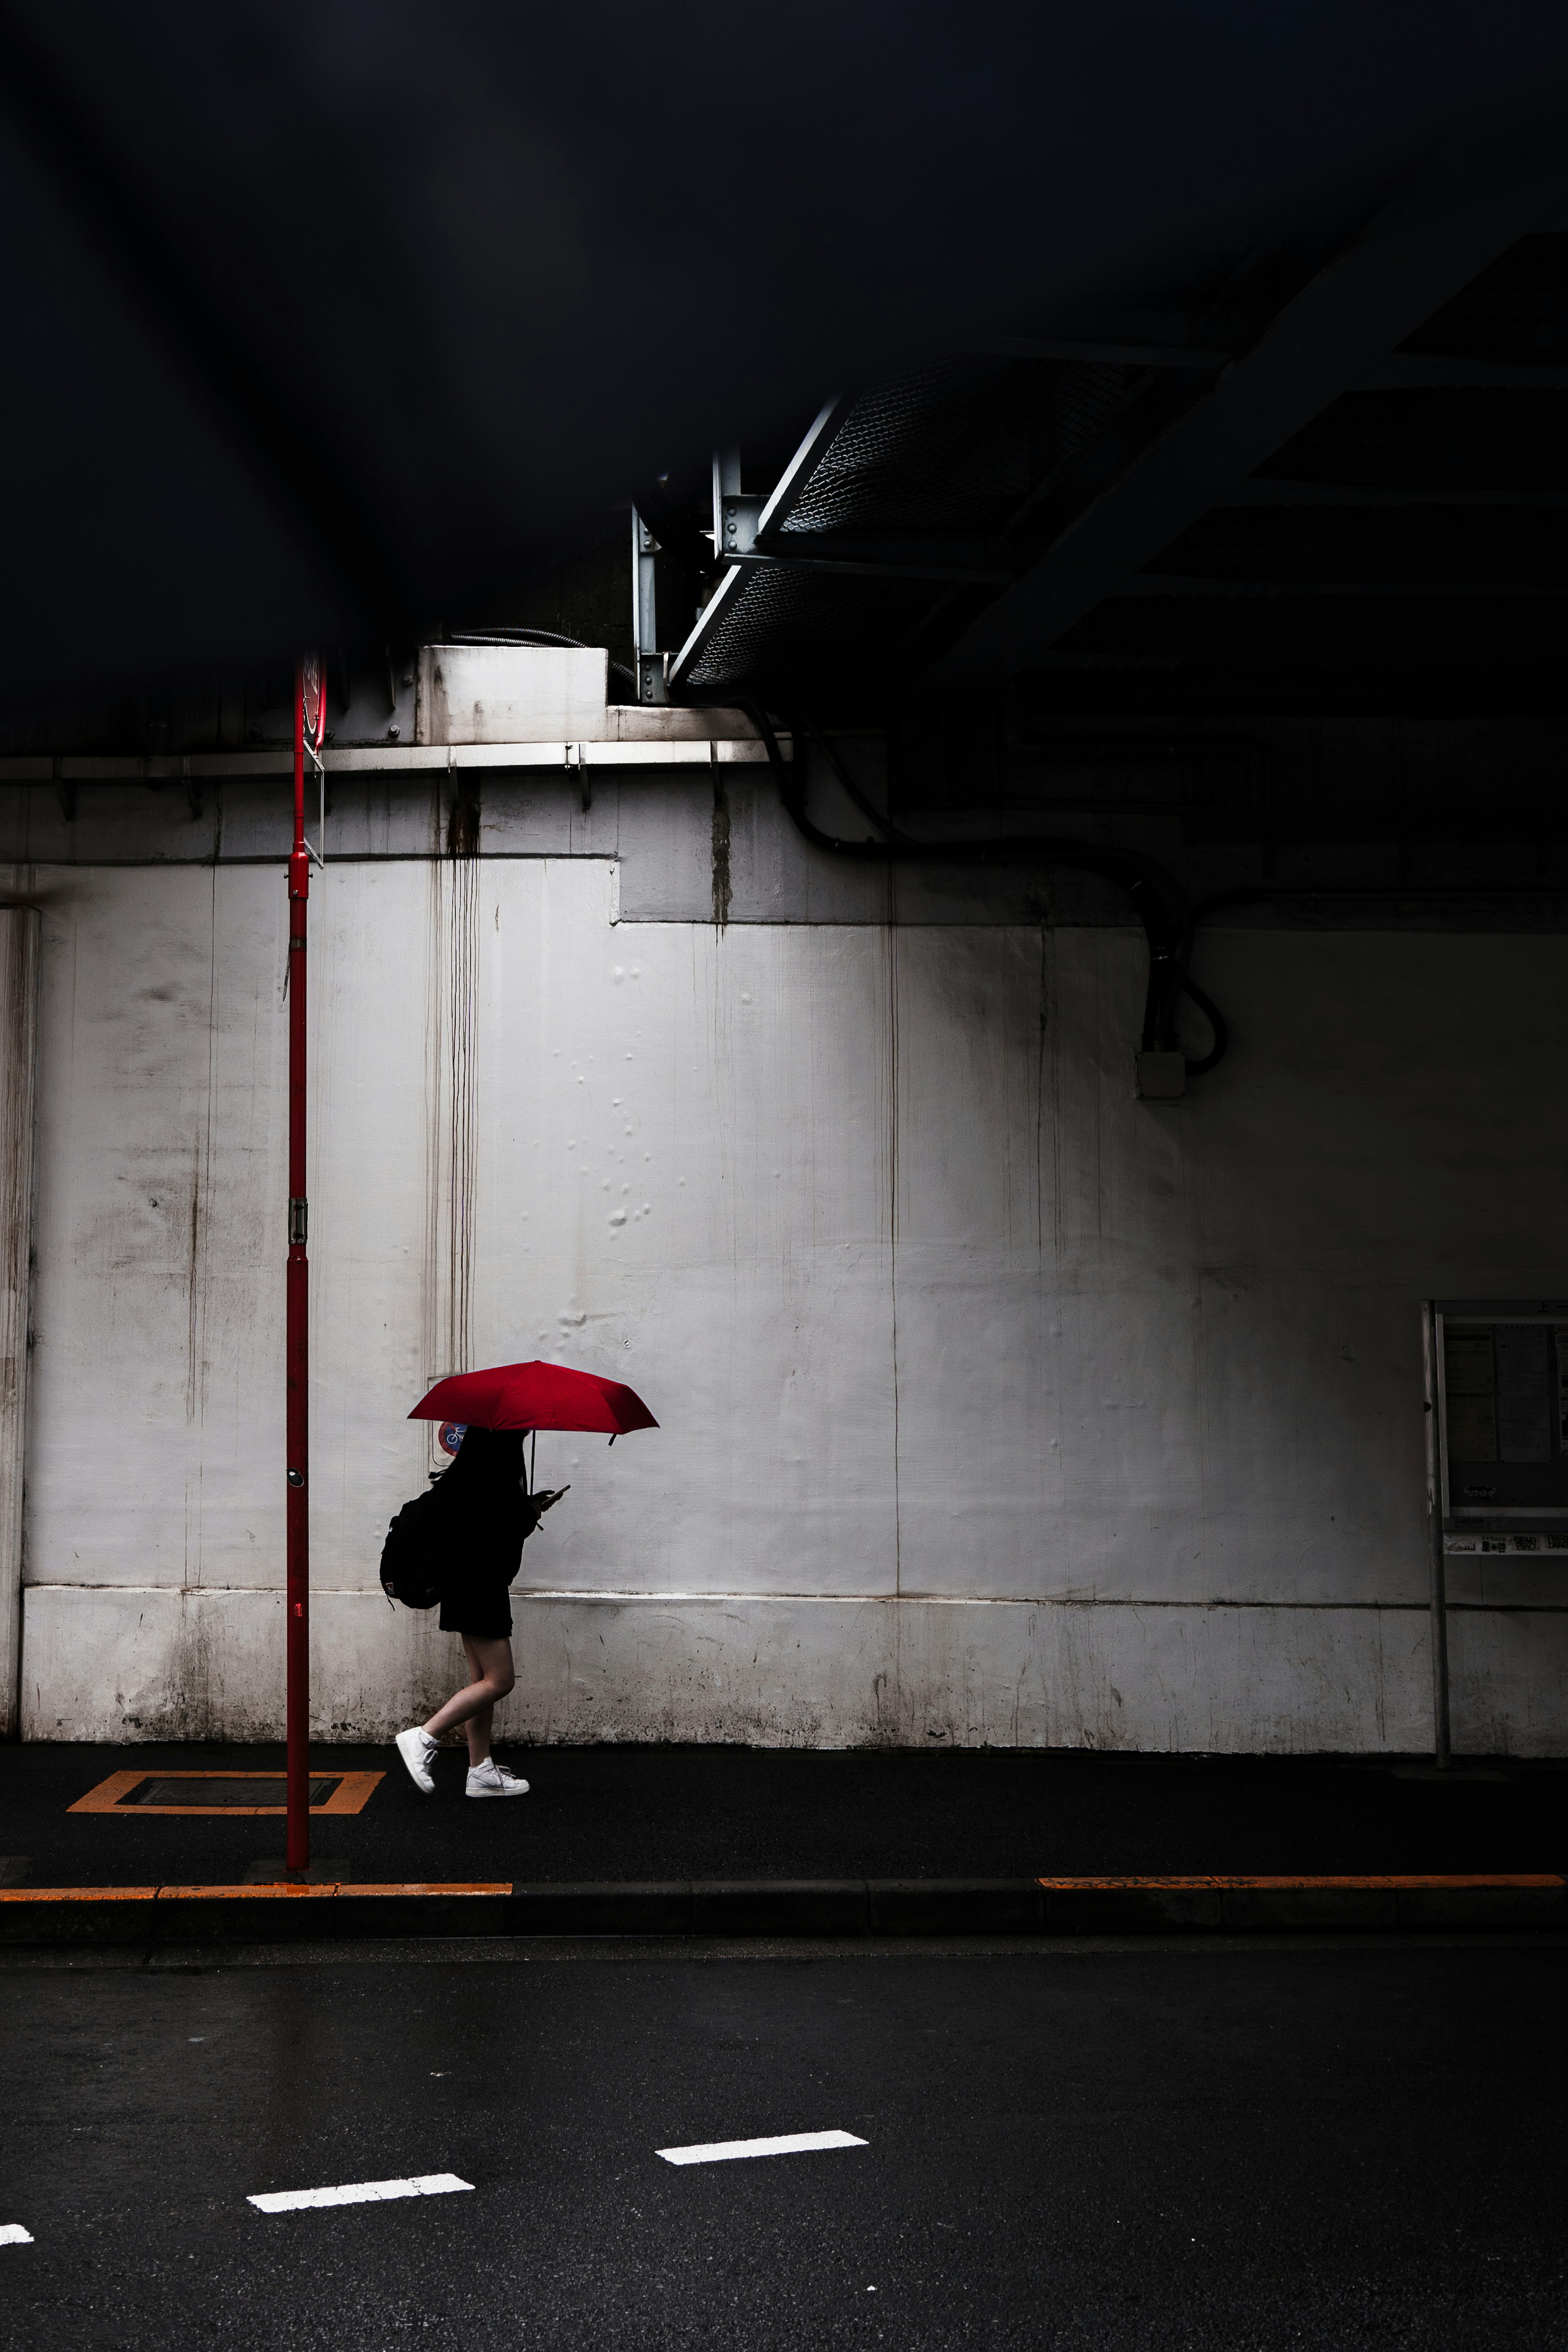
(996, 1405)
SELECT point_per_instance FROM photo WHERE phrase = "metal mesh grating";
(784, 621)
(955, 445)
(201, 1794)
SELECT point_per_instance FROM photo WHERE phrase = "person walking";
(479, 1515)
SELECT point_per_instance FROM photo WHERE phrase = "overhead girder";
(1431, 241)
(1225, 685)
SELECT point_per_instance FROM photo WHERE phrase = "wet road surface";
(1176, 2145)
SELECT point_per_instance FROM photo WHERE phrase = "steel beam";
(719, 606)
(888, 566)
(1160, 585)
(1282, 491)
(645, 613)
(1099, 353)
(1432, 372)
(1436, 236)
(792, 482)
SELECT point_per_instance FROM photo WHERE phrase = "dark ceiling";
(325, 322)
(1334, 481)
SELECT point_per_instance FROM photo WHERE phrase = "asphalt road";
(1170, 2145)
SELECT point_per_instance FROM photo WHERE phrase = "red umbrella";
(535, 1396)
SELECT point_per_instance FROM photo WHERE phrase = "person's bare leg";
(478, 1727)
(489, 1662)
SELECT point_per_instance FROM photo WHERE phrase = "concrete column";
(18, 1060)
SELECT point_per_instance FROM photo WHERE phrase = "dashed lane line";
(359, 2192)
(724, 2151)
(13, 2234)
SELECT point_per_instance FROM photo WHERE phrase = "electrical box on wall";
(1502, 1423)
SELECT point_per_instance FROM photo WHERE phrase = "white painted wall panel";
(510, 694)
(697, 1201)
(157, 1413)
(934, 1312)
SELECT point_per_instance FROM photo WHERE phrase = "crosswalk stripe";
(722, 2151)
(359, 2192)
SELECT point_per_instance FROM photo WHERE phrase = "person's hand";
(548, 1496)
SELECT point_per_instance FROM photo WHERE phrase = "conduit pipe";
(1158, 899)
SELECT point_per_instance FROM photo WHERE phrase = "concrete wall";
(996, 1405)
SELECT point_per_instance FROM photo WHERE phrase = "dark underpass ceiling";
(1245, 558)
(1333, 482)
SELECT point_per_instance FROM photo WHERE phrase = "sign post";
(310, 728)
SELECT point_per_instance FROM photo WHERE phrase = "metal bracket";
(576, 764)
(299, 1223)
(315, 760)
(735, 515)
(736, 518)
(1159, 1076)
(652, 683)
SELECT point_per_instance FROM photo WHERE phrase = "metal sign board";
(313, 695)
(1502, 1423)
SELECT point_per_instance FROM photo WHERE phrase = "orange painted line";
(243, 1894)
(108, 1793)
(77, 1893)
(292, 1889)
(351, 1795)
(1199, 1885)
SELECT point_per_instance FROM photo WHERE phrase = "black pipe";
(1158, 899)
(1169, 920)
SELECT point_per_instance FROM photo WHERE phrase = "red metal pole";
(298, 1341)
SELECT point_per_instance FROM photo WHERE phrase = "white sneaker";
(492, 1780)
(416, 1747)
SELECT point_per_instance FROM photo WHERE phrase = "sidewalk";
(660, 1814)
(660, 1821)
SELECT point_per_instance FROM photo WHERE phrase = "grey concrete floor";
(1176, 2145)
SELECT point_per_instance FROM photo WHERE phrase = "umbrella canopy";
(535, 1396)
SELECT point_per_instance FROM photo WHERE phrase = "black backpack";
(411, 1556)
(414, 1555)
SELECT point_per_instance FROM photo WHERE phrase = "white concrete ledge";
(155, 1663)
(626, 735)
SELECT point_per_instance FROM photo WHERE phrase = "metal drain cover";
(222, 1790)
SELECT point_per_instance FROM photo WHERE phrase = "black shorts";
(481, 1610)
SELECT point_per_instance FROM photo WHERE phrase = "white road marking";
(13, 2234)
(359, 2192)
(722, 2151)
